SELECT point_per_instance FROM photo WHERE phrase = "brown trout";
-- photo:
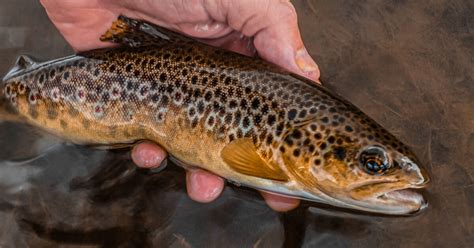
(241, 118)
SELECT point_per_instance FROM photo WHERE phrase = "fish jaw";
(390, 196)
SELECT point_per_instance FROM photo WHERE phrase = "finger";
(275, 27)
(203, 186)
(234, 41)
(280, 203)
(148, 155)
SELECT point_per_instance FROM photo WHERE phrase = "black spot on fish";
(302, 114)
(292, 114)
(200, 107)
(197, 93)
(246, 122)
(194, 80)
(163, 77)
(248, 90)
(271, 120)
(237, 117)
(96, 72)
(311, 148)
(255, 103)
(204, 80)
(164, 100)
(257, 119)
(269, 139)
(155, 98)
(185, 72)
(228, 118)
(349, 129)
(323, 146)
(339, 153)
(112, 68)
(210, 120)
(279, 129)
(296, 152)
(243, 103)
(265, 108)
(317, 162)
(41, 79)
(66, 75)
(233, 104)
(158, 66)
(214, 82)
(296, 134)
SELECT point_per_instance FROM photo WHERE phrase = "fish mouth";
(393, 200)
(408, 197)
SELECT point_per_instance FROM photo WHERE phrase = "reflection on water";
(393, 59)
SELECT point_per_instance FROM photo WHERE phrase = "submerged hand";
(271, 24)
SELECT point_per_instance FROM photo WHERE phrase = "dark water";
(408, 64)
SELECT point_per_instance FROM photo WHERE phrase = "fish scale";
(239, 117)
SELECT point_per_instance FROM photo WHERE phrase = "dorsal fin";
(23, 63)
(135, 33)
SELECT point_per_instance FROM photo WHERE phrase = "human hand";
(271, 24)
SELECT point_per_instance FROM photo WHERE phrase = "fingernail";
(160, 168)
(204, 27)
(305, 62)
(201, 27)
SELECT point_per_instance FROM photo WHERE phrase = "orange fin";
(136, 33)
(241, 155)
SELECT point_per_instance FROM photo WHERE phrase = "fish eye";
(374, 160)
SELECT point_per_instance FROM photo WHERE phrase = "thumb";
(274, 26)
(281, 44)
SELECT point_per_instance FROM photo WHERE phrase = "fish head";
(356, 165)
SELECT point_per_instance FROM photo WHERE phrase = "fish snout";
(419, 177)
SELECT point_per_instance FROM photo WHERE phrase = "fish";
(242, 118)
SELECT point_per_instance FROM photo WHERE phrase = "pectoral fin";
(241, 155)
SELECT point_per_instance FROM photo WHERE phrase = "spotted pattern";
(227, 95)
